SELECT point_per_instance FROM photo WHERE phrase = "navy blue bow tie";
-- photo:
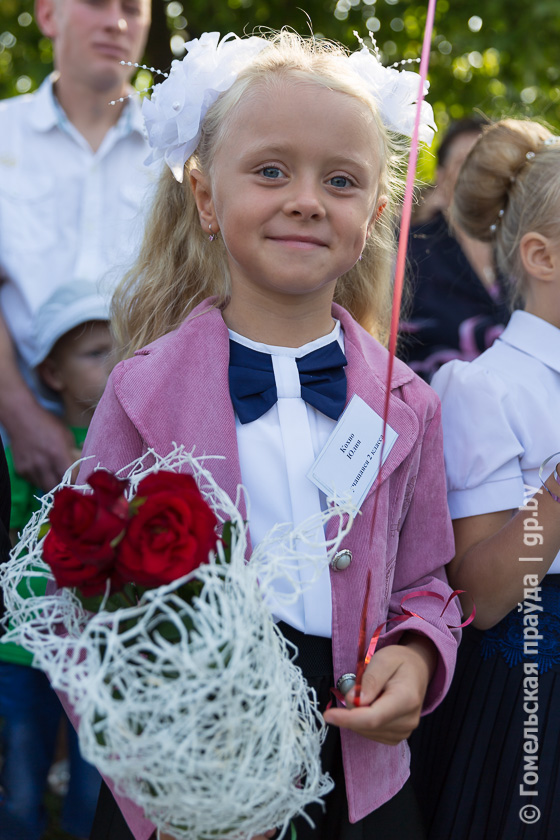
(252, 385)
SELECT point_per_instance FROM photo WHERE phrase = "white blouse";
(500, 419)
(275, 454)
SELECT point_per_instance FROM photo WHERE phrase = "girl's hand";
(393, 689)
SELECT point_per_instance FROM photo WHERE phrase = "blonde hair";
(177, 267)
(510, 185)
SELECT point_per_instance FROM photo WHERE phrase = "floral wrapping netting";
(187, 698)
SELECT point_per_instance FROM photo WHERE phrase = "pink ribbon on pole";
(407, 201)
(405, 227)
(363, 661)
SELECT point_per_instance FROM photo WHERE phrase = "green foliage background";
(497, 56)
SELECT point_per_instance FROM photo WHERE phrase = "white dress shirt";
(66, 213)
(500, 419)
(275, 454)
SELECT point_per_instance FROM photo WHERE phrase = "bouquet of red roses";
(101, 543)
(157, 631)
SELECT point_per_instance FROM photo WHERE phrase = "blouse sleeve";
(482, 437)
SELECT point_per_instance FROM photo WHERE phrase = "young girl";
(486, 764)
(279, 204)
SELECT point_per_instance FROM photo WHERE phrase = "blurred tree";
(480, 59)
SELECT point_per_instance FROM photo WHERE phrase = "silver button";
(341, 560)
(346, 682)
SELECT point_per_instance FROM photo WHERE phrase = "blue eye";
(340, 181)
(271, 172)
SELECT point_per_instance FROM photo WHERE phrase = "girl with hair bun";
(492, 771)
(269, 255)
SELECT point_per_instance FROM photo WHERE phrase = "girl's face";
(293, 189)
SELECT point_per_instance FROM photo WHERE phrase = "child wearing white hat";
(72, 363)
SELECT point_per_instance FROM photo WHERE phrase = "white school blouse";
(500, 416)
(275, 454)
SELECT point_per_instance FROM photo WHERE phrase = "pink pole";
(408, 194)
(405, 227)
(407, 203)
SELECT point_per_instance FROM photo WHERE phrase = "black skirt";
(473, 768)
(399, 817)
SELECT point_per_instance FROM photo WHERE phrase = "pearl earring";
(212, 235)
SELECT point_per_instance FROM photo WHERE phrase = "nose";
(304, 200)
(115, 19)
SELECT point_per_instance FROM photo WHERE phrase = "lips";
(299, 241)
(111, 51)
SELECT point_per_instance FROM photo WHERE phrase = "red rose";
(89, 523)
(71, 570)
(170, 533)
(109, 491)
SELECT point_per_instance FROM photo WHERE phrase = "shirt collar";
(295, 352)
(47, 112)
(44, 115)
(535, 337)
(133, 116)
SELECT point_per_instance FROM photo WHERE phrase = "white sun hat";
(68, 307)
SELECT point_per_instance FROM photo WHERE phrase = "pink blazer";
(176, 390)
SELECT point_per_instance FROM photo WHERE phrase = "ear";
(381, 205)
(200, 185)
(45, 15)
(538, 257)
(445, 185)
(49, 372)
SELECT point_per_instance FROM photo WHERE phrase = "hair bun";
(490, 173)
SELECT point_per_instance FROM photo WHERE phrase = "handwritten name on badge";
(350, 461)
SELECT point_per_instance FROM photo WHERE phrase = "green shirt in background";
(26, 499)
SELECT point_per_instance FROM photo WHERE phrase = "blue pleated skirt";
(473, 766)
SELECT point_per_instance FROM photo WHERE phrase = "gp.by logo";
(529, 814)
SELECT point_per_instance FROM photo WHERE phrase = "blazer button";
(341, 560)
(346, 682)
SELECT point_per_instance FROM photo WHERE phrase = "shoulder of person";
(171, 356)
(18, 118)
(483, 378)
(483, 407)
(16, 109)
(16, 104)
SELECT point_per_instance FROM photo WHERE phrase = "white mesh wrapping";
(214, 736)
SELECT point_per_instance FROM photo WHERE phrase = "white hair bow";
(395, 93)
(175, 112)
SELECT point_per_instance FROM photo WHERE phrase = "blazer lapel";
(191, 397)
(368, 385)
(366, 373)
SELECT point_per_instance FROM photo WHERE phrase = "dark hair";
(469, 125)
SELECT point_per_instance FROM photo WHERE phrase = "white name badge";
(350, 461)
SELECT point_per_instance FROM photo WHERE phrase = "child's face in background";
(78, 368)
(294, 189)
